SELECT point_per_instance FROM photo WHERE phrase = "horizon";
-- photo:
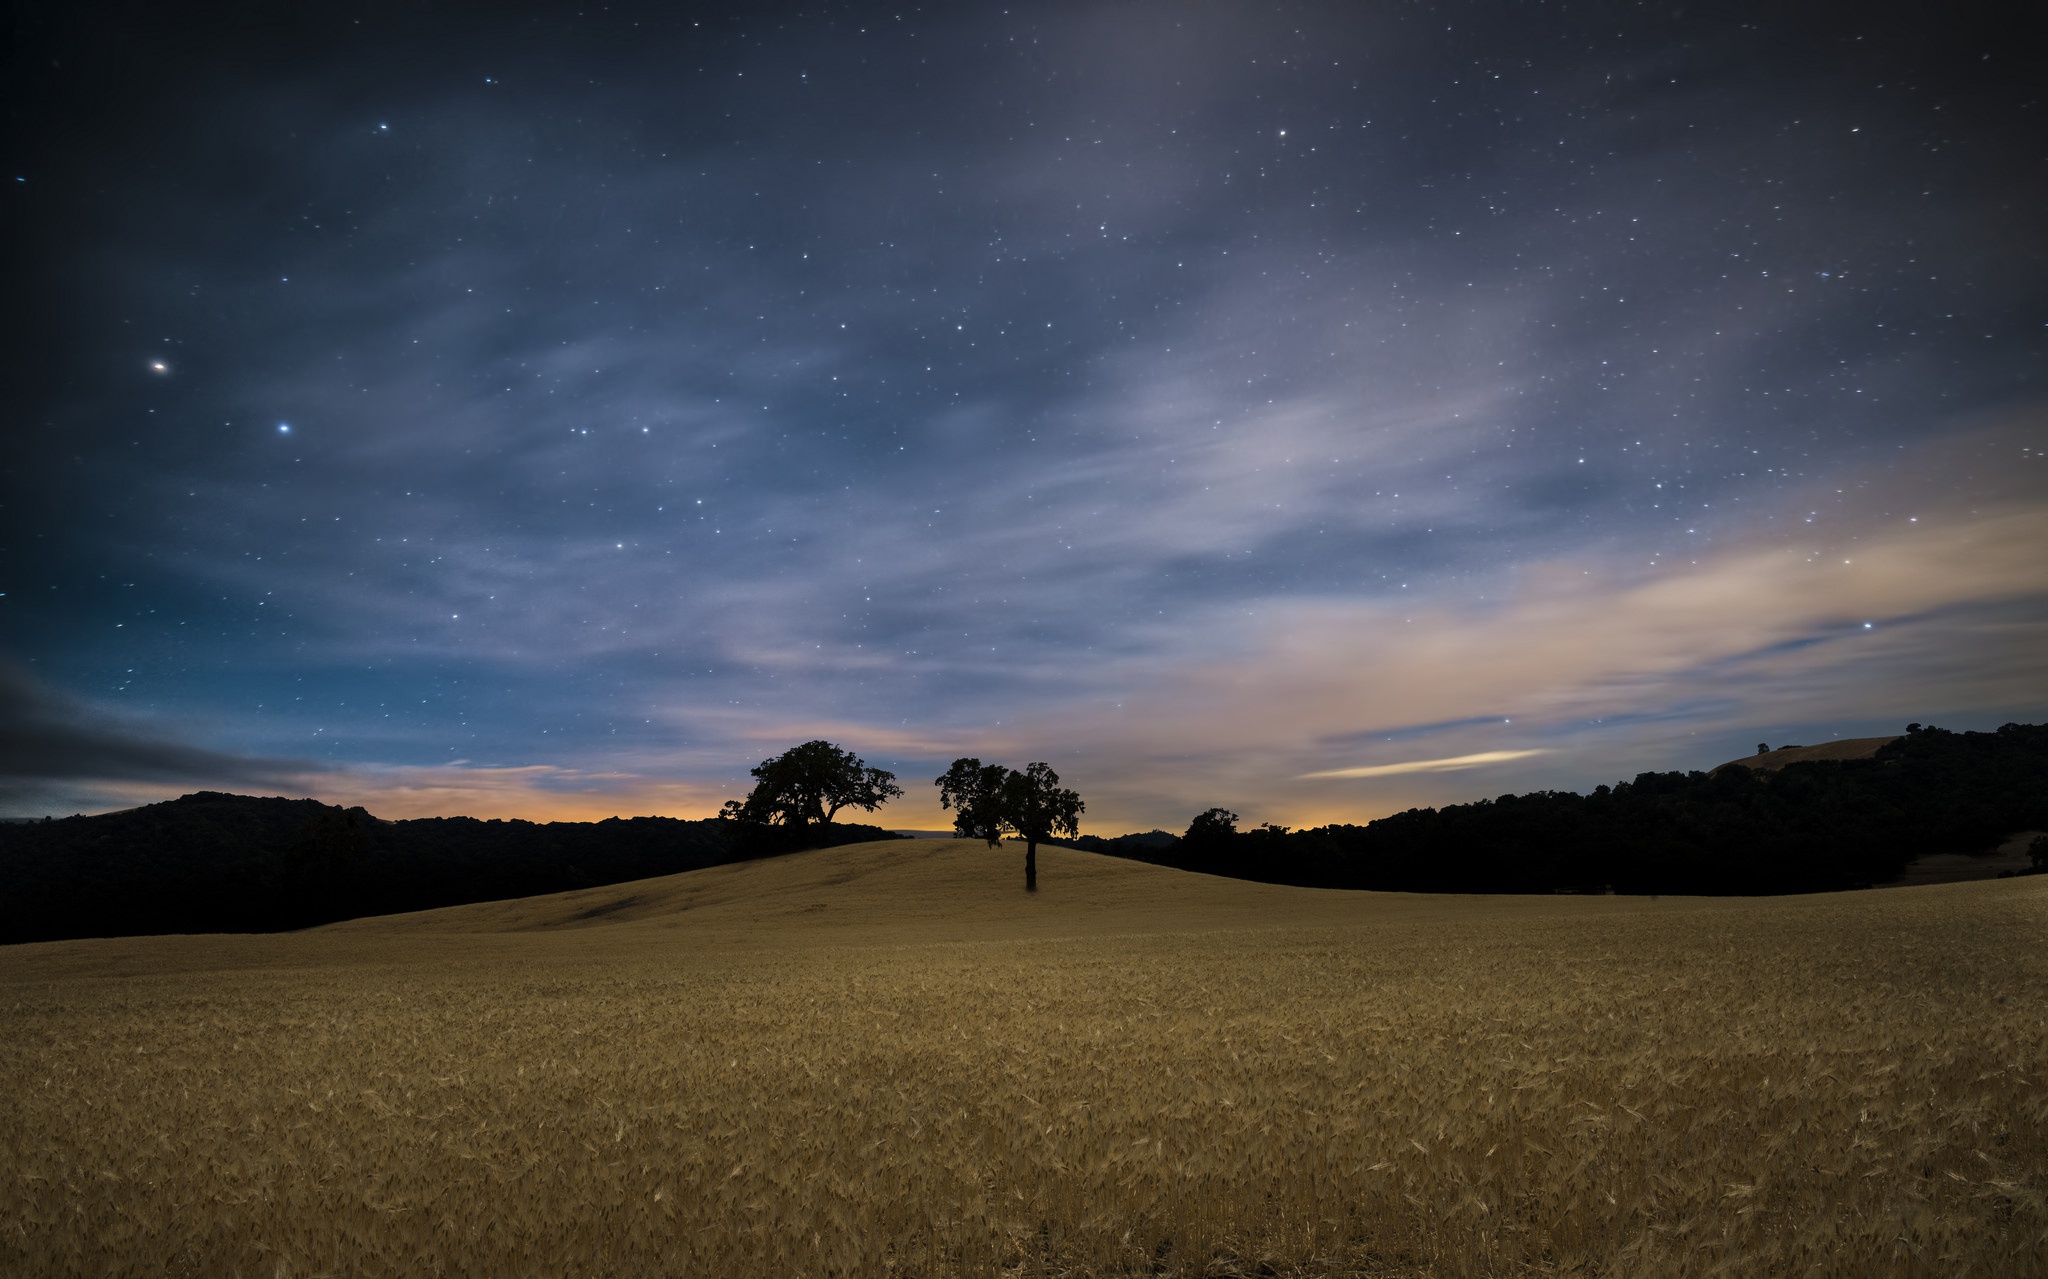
(1313, 415)
(872, 819)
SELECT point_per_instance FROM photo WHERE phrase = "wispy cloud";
(1578, 670)
(1452, 764)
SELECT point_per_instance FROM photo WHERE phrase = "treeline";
(1806, 827)
(211, 862)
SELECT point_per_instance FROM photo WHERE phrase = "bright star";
(158, 366)
(284, 428)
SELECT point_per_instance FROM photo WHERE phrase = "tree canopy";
(1216, 825)
(974, 792)
(809, 784)
(1037, 808)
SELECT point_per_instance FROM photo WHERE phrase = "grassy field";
(887, 1060)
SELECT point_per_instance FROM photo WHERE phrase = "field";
(887, 1060)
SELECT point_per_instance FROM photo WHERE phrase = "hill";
(911, 891)
(1845, 815)
(889, 893)
(887, 1059)
(1844, 748)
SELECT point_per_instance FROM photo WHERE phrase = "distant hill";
(1845, 748)
(1802, 819)
(211, 862)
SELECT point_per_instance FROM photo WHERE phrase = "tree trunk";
(1030, 865)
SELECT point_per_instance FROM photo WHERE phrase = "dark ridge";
(1806, 826)
(211, 862)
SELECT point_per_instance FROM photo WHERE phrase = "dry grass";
(886, 1060)
(1841, 748)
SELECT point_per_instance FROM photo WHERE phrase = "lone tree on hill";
(974, 791)
(809, 784)
(988, 799)
(1037, 808)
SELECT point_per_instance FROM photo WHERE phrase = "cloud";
(1454, 764)
(1598, 664)
(45, 736)
(1584, 664)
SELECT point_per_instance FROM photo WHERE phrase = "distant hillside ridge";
(1809, 824)
(1844, 748)
(212, 862)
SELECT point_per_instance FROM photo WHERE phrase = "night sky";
(1308, 409)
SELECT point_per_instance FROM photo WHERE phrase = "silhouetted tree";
(809, 784)
(974, 791)
(1037, 808)
(1214, 825)
(1210, 841)
(1763, 748)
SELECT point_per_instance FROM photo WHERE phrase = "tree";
(1037, 808)
(974, 791)
(809, 784)
(1209, 841)
(988, 799)
(1212, 827)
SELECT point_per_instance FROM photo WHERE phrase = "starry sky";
(1311, 409)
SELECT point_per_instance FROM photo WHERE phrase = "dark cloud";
(52, 744)
(594, 395)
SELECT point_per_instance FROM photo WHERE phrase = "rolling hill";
(886, 1059)
(908, 891)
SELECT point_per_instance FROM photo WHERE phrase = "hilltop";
(1845, 748)
(912, 890)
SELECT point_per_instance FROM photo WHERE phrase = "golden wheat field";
(887, 1060)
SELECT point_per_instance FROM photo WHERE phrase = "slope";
(913, 891)
(1137, 1071)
